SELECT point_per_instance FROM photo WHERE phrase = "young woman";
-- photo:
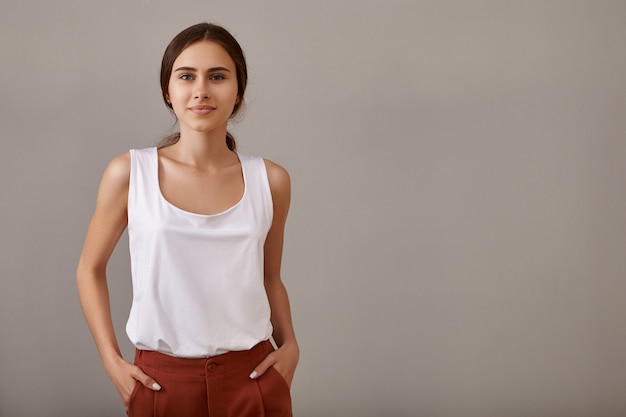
(205, 227)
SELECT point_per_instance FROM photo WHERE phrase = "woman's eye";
(217, 77)
(186, 77)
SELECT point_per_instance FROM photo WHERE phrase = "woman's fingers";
(284, 360)
(125, 377)
(263, 366)
(146, 380)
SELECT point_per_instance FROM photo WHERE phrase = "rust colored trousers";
(219, 386)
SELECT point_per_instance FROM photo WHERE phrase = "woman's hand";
(284, 360)
(125, 376)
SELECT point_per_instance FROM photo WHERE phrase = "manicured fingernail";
(156, 387)
(253, 375)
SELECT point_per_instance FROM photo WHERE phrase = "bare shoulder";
(278, 177)
(119, 167)
(117, 174)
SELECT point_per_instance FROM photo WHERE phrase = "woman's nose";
(202, 90)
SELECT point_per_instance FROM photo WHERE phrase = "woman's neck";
(203, 149)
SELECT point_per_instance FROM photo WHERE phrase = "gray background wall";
(457, 234)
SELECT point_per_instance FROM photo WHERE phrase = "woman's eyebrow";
(191, 69)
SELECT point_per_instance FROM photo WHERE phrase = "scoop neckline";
(201, 215)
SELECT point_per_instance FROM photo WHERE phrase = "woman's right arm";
(107, 224)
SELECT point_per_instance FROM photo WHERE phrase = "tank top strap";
(257, 185)
(143, 187)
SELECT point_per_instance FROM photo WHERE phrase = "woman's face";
(203, 87)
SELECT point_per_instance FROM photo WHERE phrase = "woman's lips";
(202, 110)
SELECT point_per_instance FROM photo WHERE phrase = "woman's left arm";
(285, 358)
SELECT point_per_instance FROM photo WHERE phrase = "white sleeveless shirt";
(198, 287)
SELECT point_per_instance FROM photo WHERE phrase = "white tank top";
(198, 286)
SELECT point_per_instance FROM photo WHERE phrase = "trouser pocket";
(141, 403)
(276, 394)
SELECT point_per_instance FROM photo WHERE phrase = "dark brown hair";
(191, 35)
